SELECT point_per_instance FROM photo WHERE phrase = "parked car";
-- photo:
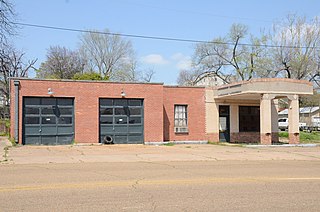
(283, 124)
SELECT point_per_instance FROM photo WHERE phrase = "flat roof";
(86, 81)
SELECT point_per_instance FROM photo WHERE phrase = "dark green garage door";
(48, 121)
(121, 120)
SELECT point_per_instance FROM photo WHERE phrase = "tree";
(88, 76)
(297, 53)
(107, 54)
(225, 58)
(61, 63)
(7, 16)
(12, 65)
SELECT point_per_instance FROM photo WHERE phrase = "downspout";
(16, 110)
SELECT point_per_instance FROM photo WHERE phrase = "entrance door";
(121, 121)
(224, 123)
(48, 120)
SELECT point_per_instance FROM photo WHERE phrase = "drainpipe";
(16, 110)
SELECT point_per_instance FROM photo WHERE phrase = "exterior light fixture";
(123, 94)
(50, 92)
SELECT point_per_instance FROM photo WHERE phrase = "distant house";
(307, 115)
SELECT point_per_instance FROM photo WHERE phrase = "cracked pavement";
(146, 153)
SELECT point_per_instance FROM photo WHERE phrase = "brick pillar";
(293, 116)
(265, 120)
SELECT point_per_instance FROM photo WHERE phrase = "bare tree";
(225, 58)
(61, 63)
(107, 53)
(12, 65)
(147, 75)
(297, 55)
(7, 16)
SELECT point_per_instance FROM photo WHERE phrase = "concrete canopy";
(253, 89)
(257, 92)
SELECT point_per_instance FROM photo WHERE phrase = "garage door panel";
(33, 130)
(135, 138)
(65, 129)
(122, 119)
(66, 139)
(48, 140)
(120, 129)
(135, 129)
(33, 140)
(48, 121)
(106, 129)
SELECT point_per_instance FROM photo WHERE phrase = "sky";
(183, 19)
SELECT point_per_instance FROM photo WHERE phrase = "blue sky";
(187, 19)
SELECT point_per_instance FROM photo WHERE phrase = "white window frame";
(181, 118)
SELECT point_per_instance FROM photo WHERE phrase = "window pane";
(48, 120)
(106, 111)
(47, 110)
(32, 110)
(65, 101)
(120, 102)
(249, 119)
(31, 120)
(134, 102)
(119, 111)
(48, 101)
(120, 120)
(106, 120)
(66, 111)
(32, 101)
(135, 111)
(106, 102)
(134, 120)
(65, 120)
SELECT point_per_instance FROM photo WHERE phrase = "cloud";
(155, 59)
(182, 61)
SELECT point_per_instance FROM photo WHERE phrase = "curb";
(284, 145)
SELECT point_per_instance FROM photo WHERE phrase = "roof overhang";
(253, 89)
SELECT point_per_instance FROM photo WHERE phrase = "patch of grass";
(305, 137)
(283, 134)
(226, 144)
(169, 144)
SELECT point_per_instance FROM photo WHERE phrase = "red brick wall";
(194, 98)
(245, 137)
(86, 104)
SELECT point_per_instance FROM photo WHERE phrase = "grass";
(169, 144)
(305, 137)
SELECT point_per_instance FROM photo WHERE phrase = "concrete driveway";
(146, 153)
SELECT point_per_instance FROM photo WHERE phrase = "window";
(180, 119)
(249, 118)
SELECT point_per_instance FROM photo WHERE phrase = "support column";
(212, 117)
(16, 110)
(265, 120)
(234, 123)
(274, 121)
(293, 115)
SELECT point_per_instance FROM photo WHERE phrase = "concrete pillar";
(293, 116)
(265, 120)
(212, 117)
(234, 122)
(274, 121)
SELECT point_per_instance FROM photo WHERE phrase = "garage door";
(48, 121)
(121, 120)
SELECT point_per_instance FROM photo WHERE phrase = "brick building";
(66, 111)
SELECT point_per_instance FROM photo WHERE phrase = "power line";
(159, 38)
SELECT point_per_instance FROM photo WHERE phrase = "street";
(265, 185)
